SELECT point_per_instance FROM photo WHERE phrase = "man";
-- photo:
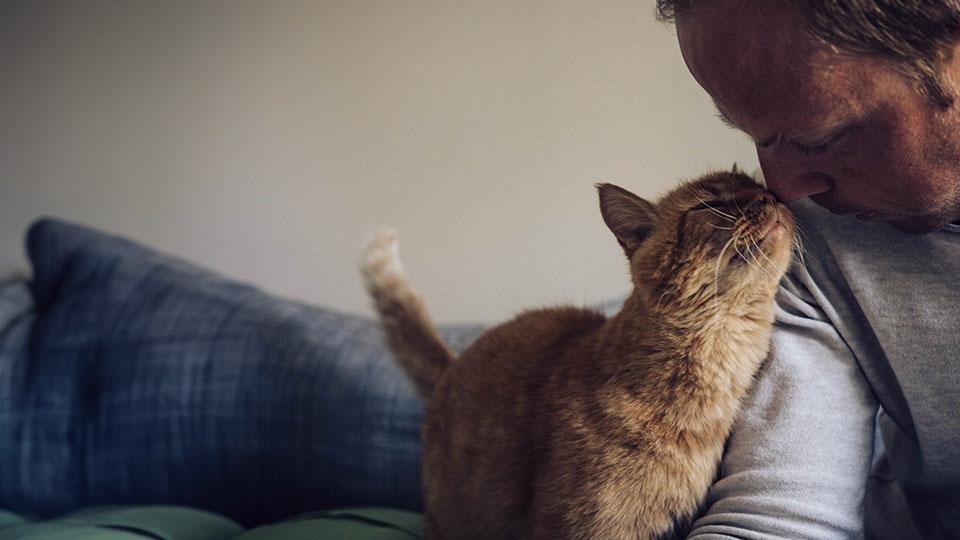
(852, 104)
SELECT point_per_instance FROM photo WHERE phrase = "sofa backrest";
(128, 376)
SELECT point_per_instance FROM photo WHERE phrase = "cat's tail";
(411, 334)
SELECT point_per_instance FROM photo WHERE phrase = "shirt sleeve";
(798, 458)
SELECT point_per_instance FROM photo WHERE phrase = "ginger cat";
(564, 423)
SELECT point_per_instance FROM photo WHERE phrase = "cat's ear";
(629, 217)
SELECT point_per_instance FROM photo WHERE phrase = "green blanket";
(182, 523)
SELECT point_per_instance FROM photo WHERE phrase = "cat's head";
(720, 235)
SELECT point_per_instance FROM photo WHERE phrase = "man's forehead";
(769, 79)
(749, 34)
(807, 110)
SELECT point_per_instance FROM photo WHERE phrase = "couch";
(144, 397)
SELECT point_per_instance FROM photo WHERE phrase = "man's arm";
(797, 461)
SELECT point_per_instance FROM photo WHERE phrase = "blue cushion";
(140, 378)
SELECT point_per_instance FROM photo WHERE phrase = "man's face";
(849, 131)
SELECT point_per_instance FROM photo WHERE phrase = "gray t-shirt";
(868, 323)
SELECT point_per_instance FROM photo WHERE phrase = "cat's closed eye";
(709, 205)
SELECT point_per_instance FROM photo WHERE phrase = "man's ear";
(629, 217)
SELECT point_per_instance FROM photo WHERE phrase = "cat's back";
(534, 333)
(506, 364)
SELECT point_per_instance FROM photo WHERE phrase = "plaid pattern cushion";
(127, 376)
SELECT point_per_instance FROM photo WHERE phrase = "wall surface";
(266, 139)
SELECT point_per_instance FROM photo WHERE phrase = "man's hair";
(918, 35)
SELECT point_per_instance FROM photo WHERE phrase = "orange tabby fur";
(563, 423)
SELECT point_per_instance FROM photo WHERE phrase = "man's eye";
(825, 146)
(814, 150)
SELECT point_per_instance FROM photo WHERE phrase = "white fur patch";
(381, 258)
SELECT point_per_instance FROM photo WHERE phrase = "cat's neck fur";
(701, 355)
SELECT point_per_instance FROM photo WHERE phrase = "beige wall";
(265, 139)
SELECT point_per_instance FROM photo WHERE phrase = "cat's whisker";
(759, 264)
(753, 260)
(722, 228)
(742, 256)
(765, 256)
(737, 205)
(716, 274)
(720, 213)
(712, 208)
(801, 232)
(799, 238)
(753, 244)
(799, 249)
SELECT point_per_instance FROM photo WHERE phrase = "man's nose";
(789, 181)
